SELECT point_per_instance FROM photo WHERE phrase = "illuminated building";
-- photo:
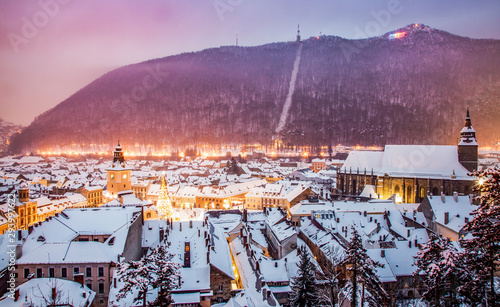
(25, 209)
(409, 173)
(118, 174)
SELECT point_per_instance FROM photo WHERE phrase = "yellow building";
(25, 209)
(93, 195)
(118, 174)
(318, 164)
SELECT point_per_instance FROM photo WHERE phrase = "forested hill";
(413, 89)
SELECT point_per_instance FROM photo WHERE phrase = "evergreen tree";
(232, 167)
(168, 275)
(483, 250)
(444, 269)
(138, 275)
(362, 271)
(305, 288)
(154, 270)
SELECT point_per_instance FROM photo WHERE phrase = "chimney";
(19, 234)
(180, 282)
(257, 266)
(382, 253)
(114, 282)
(443, 199)
(30, 229)
(455, 196)
(19, 251)
(245, 215)
(371, 218)
(446, 218)
(276, 264)
(190, 223)
(409, 243)
(416, 241)
(161, 234)
(408, 233)
(199, 232)
(16, 295)
(180, 226)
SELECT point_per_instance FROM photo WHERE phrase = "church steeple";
(468, 134)
(118, 154)
(467, 146)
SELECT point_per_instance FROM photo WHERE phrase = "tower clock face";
(124, 176)
(112, 177)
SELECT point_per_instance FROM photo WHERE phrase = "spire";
(468, 134)
(467, 146)
(164, 206)
(118, 154)
(467, 119)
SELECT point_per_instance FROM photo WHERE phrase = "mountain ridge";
(372, 91)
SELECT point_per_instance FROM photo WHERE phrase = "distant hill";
(413, 89)
(6, 131)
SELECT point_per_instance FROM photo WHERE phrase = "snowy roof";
(364, 160)
(55, 237)
(185, 298)
(433, 161)
(458, 208)
(36, 290)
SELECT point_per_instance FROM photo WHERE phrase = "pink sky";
(78, 41)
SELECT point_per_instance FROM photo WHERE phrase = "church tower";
(118, 174)
(467, 146)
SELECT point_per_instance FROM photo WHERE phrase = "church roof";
(432, 161)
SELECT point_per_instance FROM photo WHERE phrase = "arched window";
(396, 189)
(435, 191)
(422, 193)
(408, 194)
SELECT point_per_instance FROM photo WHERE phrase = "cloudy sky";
(51, 48)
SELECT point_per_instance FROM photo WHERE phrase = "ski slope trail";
(291, 89)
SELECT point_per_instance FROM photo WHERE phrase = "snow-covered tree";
(168, 275)
(305, 287)
(361, 272)
(482, 251)
(154, 270)
(443, 269)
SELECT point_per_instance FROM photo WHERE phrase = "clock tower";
(118, 174)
